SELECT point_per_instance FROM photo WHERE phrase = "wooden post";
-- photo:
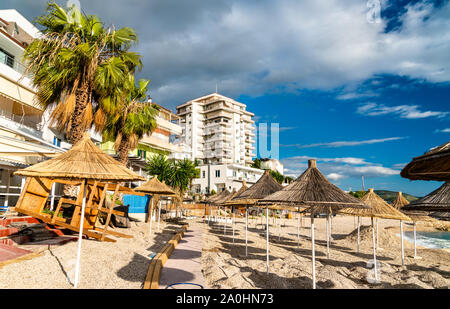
(159, 213)
(267, 237)
(374, 252)
(328, 236)
(150, 216)
(108, 218)
(403, 249)
(313, 251)
(359, 224)
(246, 230)
(415, 250)
(80, 236)
(298, 230)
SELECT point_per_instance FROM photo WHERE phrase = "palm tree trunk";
(77, 127)
(123, 150)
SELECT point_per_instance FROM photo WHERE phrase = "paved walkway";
(184, 265)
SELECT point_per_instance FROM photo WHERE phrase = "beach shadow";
(174, 275)
(135, 270)
(185, 254)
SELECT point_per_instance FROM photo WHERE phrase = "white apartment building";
(217, 130)
(219, 177)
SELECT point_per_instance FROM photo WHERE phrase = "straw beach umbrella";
(436, 202)
(433, 165)
(84, 161)
(418, 216)
(378, 208)
(313, 190)
(155, 187)
(265, 186)
(399, 201)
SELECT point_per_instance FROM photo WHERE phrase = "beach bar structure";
(313, 190)
(265, 186)
(94, 173)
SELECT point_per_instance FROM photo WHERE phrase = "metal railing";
(22, 120)
(14, 64)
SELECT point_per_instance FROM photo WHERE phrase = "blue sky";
(361, 92)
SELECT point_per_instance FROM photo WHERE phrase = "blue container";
(138, 204)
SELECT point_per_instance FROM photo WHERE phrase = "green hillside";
(389, 196)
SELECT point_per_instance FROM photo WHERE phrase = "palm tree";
(160, 165)
(134, 119)
(78, 65)
(177, 174)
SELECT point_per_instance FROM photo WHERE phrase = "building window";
(217, 173)
(204, 174)
(56, 141)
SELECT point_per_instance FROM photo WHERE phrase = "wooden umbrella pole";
(298, 230)
(415, 250)
(246, 231)
(377, 234)
(225, 222)
(359, 225)
(313, 251)
(159, 214)
(374, 252)
(150, 214)
(328, 236)
(80, 236)
(279, 228)
(403, 249)
(233, 220)
(267, 237)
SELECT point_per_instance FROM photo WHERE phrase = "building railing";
(14, 64)
(21, 120)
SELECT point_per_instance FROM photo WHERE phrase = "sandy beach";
(104, 265)
(124, 264)
(226, 266)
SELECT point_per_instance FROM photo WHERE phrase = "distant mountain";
(389, 196)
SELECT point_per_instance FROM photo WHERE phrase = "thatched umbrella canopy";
(265, 186)
(84, 161)
(155, 187)
(438, 200)
(312, 189)
(399, 201)
(378, 208)
(433, 165)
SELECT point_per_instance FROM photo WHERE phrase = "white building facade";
(219, 177)
(217, 130)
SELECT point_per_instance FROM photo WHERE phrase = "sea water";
(434, 240)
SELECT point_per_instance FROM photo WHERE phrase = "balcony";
(23, 124)
(171, 127)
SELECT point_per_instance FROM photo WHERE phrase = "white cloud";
(258, 47)
(335, 176)
(340, 168)
(403, 111)
(443, 131)
(345, 143)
